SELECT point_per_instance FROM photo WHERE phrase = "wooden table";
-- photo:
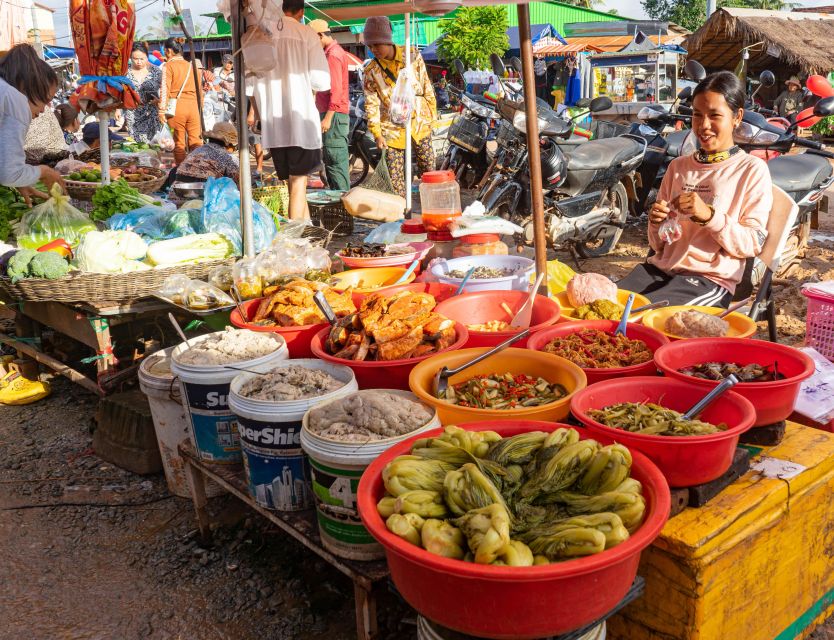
(301, 525)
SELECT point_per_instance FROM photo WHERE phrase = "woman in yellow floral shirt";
(380, 79)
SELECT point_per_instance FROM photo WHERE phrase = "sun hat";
(320, 26)
(224, 132)
(378, 30)
(793, 80)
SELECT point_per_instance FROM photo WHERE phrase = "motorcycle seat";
(674, 142)
(799, 172)
(603, 154)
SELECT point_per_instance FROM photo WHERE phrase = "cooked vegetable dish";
(599, 310)
(595, 349)
(372, 250)
(497, 391)
(652, 420)
(482, 273)
(745, 373)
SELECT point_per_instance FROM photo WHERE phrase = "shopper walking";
(333, 107)
(286, 106)
(143, 121)
(380, 79)
(179, 103)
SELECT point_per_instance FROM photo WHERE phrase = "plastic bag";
(147, 158)
(221, 214)
(175, 287)
(52, 219)
(153, 223)
(70, 165)
(558, 276)
(202, 296)
(269, 267)
(384, 234)
(468, 225)
(222, 277)
(164, 139)
(670, 230)
(402, 99)
(247, 278)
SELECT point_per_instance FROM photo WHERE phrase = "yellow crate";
(755, 563)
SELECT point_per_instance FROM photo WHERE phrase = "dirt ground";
(92, 552)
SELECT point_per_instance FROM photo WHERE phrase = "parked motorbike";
(362, 150)
(586, 205)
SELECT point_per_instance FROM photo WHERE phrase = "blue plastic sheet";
(221, 214)
(157, 223)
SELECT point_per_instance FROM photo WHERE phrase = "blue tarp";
(51, 52)
(537, 31)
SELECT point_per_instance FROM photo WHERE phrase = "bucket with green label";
(335, 467)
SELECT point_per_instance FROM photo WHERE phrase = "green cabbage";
(189, 249)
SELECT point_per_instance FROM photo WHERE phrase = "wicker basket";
(85, 190)
(260, 194)
(333, 217)
(87, 287)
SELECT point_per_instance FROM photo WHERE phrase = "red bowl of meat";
(773, 400)
(298, 338)
(581, 349)
(439, 290)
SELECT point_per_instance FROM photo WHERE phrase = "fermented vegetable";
(600, 310)
(504, 391)
(652, 420)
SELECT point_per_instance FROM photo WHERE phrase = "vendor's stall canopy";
(799, 40)
(537, 32)
(58, 57)
(552, 47)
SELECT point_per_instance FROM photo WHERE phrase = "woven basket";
(99, 287)
(85, 190)
(260, 194)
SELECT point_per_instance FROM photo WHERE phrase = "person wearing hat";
(224, 75)
(380, 79)
(333, 107)
(91, 133)
(216, 158)
(789, 102)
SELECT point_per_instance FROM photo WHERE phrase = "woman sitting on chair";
(720, 197)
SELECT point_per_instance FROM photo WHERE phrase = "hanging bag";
(402, 99)
(171, 110)
(375, 199)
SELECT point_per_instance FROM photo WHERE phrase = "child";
(68, 119)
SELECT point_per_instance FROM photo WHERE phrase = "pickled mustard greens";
(504, 391)
(526, 500)
(652, 420)
(599, 310)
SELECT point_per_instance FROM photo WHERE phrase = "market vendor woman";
(27, 85)
(720, 198)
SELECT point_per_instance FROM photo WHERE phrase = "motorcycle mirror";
(685, 94)
(825, 107)
(459, 67)
(515, 63)
(767, 79)
(497, 63)
(602, 103)
(694, 70)
(583, 103)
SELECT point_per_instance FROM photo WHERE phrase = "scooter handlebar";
(810, 144)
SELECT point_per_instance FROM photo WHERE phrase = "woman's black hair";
(25, 71)
(727, 84)
(293, 6)
(173, 45)
(66, 114)
(140, 46)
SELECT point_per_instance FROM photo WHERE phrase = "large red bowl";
(513, 602)
(388, 374)
(480, 307)
(773, 401)
(653, 339)
(439, 290)
(684, 460)
(298, 338)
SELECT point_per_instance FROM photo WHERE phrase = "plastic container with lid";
(480, 244)
(444, 245)
(439, 199)
(411, 231)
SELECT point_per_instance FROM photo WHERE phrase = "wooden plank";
(64, 319)
(366, 619)
(197, 487)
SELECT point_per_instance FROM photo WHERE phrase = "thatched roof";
(799, 40)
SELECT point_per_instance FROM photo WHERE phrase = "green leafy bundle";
(118, 197)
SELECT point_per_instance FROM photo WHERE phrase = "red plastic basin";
(298, 338)
(684, 460)
(773, 401)
(388, 374)
(513, 602)
(479, 307)
(653, 339)
(439, 290)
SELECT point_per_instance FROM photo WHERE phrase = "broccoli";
(49, 265)
(18, 266)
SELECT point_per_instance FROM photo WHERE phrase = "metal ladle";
(728, 383)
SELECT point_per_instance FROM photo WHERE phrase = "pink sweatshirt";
(740, 190)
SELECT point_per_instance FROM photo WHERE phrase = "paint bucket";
(170, 421)
(428, 630)
(336, 468)
(205, 390)
(270, 436)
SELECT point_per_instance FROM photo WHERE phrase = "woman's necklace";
(711, 158)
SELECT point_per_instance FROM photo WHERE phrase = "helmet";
(554, 165)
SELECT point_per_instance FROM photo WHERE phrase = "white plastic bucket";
(270, 436)
(428, 630)
(205, 391)
(336, 468)
(170, 421)
(523, 268)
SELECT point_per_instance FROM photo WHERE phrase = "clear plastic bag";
(146, 158)
(402, 99)
(175, 288)
(222, 277)
(385, 233)
(164, 139)
(247, 279)
(269, 266)
(670, 230)
(221, 214)
(318, 259)
(52, 219)
(202, 296)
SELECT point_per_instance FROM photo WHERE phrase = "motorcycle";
(586, 204)
(362, 150)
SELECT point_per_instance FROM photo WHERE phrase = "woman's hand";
(659, 212)
(49, 177)
(690, 204)
(380, 142)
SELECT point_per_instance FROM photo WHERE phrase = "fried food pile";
(392, 328)
(292, 305)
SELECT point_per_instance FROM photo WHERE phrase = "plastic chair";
(782, 217)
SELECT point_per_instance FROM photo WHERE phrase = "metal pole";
(534, 153)
(408, 167)
(241, 112)
(710, 8)
(194, 71)
(104, 145)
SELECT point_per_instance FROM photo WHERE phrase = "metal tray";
(196, 312)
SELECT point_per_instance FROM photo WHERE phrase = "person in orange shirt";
(178, 85)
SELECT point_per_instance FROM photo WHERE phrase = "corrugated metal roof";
(561, 49)
(614, 43)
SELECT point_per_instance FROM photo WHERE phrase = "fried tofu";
(402, 347)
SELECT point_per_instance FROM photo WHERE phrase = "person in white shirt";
(284, 98)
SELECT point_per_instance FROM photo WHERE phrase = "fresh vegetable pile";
(12, 207)
(504, 391)
(652, 420)
(595, 349)
(87, 175)
(118, 197)
(745, 373)
(530, 499)
(27, 263)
